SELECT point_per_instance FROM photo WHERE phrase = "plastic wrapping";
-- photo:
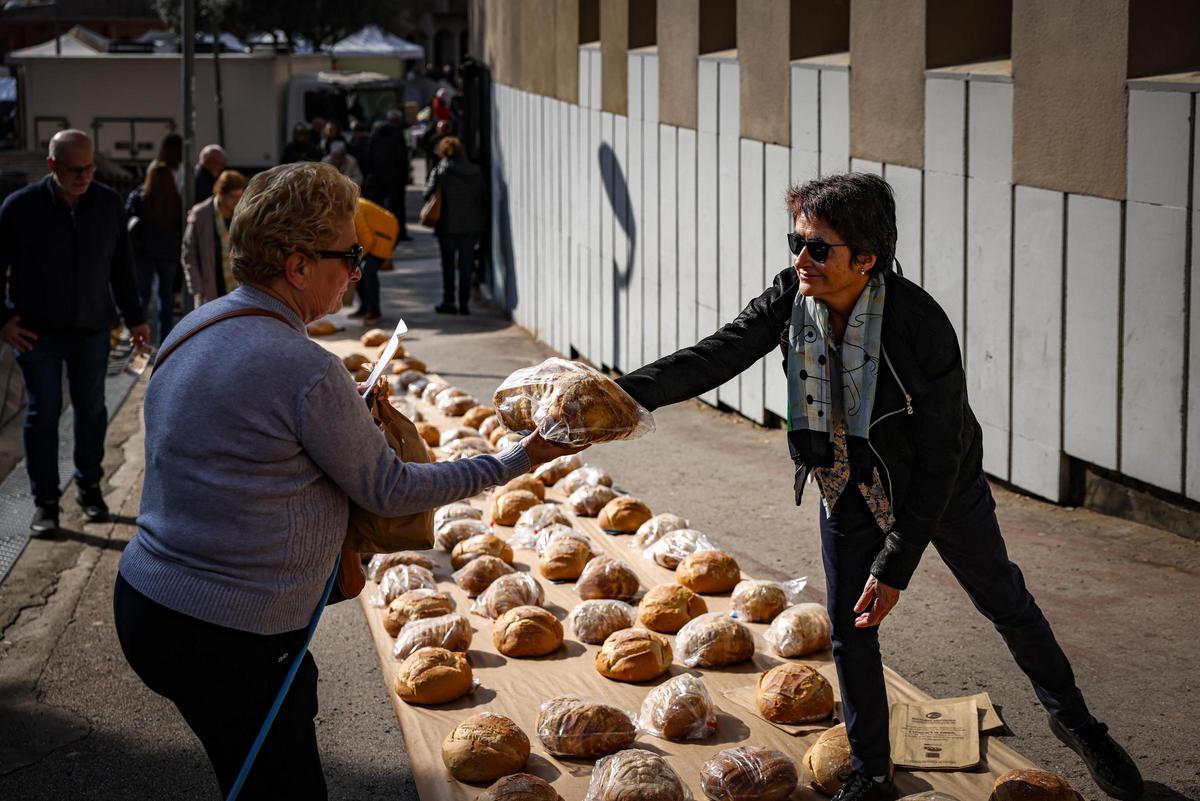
(447, 393)
(676, 546)
(749, 773)
(456, 405)
(582, 477)
(799, 630)
(565, 554)
(759, 601)
(456, 511)
(557, 531)
(399, 580)
(401, 382)
(415, 605)
(507, 439)
(592, 621)
(418, 386)
(478, 574)
(381, 562)
(533, 520)
(713, 640)
(452, 532)
(489, 425)
(431, 390)
(656, 528)
(679, 709)
(574, 727)
(472, 445)
(570, 403)
(605, 577)
(459, 432)
(636, 775)
(554, 470)
(589, 499)
(465, 453)
(452, 632)
(480, 545)
(506, 592)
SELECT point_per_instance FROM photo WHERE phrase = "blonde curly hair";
(292, 208)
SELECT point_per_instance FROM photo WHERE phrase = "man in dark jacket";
(387, 168)
(210, 164)
(879, 418)
(64, 258)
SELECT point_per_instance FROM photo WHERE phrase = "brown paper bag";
(370, 533)
(935, 735)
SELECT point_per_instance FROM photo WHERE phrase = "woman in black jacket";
(156, 220)
(896, 454)
(461, 221)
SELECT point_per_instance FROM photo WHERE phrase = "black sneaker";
(1113, 770)
(45, 518)
(92, 501)
(464, 310)
(858, 786)
(446, 308)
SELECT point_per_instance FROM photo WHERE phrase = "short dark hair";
(859, 206)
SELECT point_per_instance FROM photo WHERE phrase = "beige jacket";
(202, 252)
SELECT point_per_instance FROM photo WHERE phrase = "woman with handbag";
(155, 211)
(257, 445)
(460, 220)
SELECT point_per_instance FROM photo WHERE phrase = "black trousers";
(223, 682)
(458, 259)
(970, 544)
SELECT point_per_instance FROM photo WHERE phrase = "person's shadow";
(617, 192)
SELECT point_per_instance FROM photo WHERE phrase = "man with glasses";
(64, 258)
(878, 417)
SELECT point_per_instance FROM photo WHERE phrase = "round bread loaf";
(634, 655)
(635, 775)
(478, 574)
(588, 500)
(509, 438)
(456, 511)
(709, 572)
(1031, 785)
(408, 362)
(496, 433)
(403, 379)
(458, 432)
(537, 518)
(749, 773)
(479, 545)
(668, 607)
(605, 577)
(714, 640)
(570, 727)
(527, 631)
(457, 405)
(524, 482)
(564, 559)
(827, 760)
(362, 374)
(584, 476)
(466, 447)
(373, 337)
(381, 562)
(452, 632)
(799, 630)
(520, 787)
(509, 592)
(415, 605)
(791, 693)
(354, 361)
(593, 621)
(487, 425)
(507, 508)
(477, 415)
(623, 514)
(555, 470)
(432, 390)
(758, 601)
(448, 535)
(321, 328)
(399, 353)
(429, 432)
(655, 528)
(679, 709)
(433, 676)
(417, 388)
(485, 747)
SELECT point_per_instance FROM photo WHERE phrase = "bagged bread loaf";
(408, 362)
(416, 389)
(569, 403)
(564, 557)
(477, 575)
(791, 693)
(496, 433)
(399, 580)
(584, 476)
(404, 379)
(354, 361)
(634, 655)
(749, 773)
(668, 607)
(527, 631)
(431, 390)
(527, 483)
(635, 775)
(448, 392)
(605, 577)
(554, 532)
(458, 432)
(507, 508)
(508, 438)
(508, 592)
(485, 747)
(714, 640)
(415, 605)
(520, 787)
(593, 621)
(679, 709)
(571, 727)
(759, 601)
(710, 572)
(489, 424)
(398, 354)
(452, 632)
(476, 416)
(827, 760)
(1022, 784)
(448, 535)
(429, 433)
(381, 562)
(433, 676)
(533, 520)
(557, 469)
(655, 528)
(376, 336)
(479, 545)
(623, 515)
(465, 450)
(456, 511)
(799, 630)
(588, 500)
(674, 547)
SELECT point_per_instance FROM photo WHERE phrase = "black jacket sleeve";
(712, 361)
(6, 260)
(123, 279)
(941, 443)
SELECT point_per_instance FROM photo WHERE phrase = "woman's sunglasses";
(353, 258)
(818, 250)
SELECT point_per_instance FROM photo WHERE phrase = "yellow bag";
(377, 229)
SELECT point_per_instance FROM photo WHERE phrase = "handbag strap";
(163, 354)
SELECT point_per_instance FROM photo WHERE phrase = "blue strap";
(287, 684)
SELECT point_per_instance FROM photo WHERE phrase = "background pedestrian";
(156, 222)
(206, 242)
(461, 221)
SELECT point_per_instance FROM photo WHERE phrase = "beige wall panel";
(887, 81)
(763, 29)
(537, 43)
(1069, 96)
(678, 46)
(505, 41)
(614, 56)
(566, 50)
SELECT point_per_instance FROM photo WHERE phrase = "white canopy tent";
(79, 41)
(373, 42)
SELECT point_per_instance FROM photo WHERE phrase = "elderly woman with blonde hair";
(257, 439)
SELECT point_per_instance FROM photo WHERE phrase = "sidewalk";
(77, 723)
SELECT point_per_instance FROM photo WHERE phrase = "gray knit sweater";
(255, 440)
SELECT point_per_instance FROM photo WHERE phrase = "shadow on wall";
(617, 192)
(503, 224)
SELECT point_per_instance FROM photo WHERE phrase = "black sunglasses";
(355, 256)
(818, 250)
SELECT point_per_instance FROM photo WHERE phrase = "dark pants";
(86, 359)
(164, 270)
(223, 682)
(458, 258)
(970, 544)
(368, 286)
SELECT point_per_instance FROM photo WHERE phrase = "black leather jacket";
(923, 436)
